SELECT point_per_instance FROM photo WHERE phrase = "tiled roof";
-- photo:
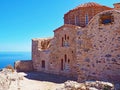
(89, 4)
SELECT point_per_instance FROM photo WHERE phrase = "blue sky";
(22, 20)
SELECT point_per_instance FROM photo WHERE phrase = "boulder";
(88, 85)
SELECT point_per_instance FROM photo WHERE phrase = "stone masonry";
(41, 53)
(99, 48)
(86, 47)
(27, 66)
(82, 14)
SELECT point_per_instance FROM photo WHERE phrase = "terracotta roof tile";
(89, 4)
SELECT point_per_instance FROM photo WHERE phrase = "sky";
(23, 20)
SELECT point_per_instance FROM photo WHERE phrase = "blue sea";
(8, 58)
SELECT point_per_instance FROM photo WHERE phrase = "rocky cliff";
(9, 79)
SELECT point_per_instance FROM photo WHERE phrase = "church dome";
(89, 4)
(83, 13)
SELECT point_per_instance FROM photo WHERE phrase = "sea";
(8, 58)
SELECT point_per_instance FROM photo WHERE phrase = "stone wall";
(89, 53)
(63, 51)
(99, 50)
(40, 54)
(24, 66)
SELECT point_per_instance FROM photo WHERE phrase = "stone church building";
(86, 47)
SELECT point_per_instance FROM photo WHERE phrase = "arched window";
(77, 20)
(69, 20)
(86, 19)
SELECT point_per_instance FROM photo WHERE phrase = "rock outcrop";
(88, 85)
(9, 79)
(24, 66)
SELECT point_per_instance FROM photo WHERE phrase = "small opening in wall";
(106, 21)
(62, 64)
(106, 18)
(65, 36)
(43, 64)
(68, 37)
(72, 51)
(86, 19)
(65, 57)
(88, 65)
(68, 60)
(62, 41)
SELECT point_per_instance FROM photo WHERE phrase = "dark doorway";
(43, 64)
(62, 64)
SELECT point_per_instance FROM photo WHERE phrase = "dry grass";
(10, 67)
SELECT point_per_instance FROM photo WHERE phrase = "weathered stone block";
(24, 66)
